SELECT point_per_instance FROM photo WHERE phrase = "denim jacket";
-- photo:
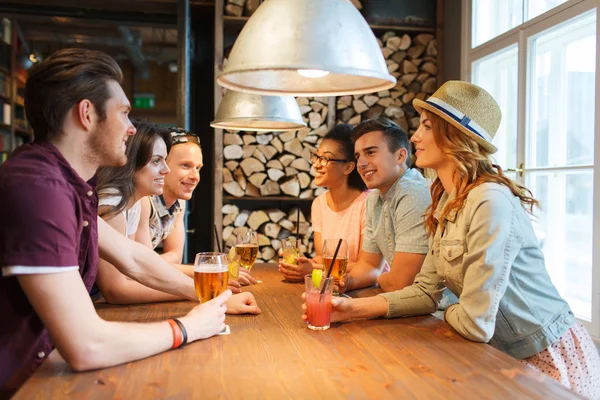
(487, 254)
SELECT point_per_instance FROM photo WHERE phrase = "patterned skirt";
(573, 361)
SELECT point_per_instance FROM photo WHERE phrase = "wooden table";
(274, 356)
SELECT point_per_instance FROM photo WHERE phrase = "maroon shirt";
(48, 217)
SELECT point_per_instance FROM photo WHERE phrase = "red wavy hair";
(472, 167)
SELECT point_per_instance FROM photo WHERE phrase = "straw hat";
(468, 107)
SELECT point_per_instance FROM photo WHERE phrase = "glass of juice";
(232, 258)
(341, 261)
(247, 248)
(290, 250)
(211, 274)
(318, 306)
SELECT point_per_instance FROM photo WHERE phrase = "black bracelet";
(183, 331)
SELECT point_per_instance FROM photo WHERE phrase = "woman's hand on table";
(243, 303)
(245, 278)
(341, 308)
(206, 319)
(296, 273)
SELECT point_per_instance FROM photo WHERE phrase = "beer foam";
(211, 267)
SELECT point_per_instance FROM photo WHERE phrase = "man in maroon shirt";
(50, 234)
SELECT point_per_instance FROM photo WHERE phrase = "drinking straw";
(297, 229)
(218, 239)
(331, 265)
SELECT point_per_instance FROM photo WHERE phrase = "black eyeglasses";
(323, 160)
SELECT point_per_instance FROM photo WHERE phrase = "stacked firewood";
(413, 61)
(275, 164)
(272, 225)
(238, 8)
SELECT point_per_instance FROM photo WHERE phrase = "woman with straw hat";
(483, 248)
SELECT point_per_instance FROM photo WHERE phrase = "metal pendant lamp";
(306, 48)
(251, 112)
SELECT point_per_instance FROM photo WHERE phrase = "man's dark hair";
(63, 80)
(342, 135)
(395, 136)
(139, 153)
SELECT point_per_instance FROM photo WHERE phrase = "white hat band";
(459, 117)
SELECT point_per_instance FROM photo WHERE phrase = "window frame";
(522, 36)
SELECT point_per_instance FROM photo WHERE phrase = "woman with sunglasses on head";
(121, 191)
(162, 215)
(340, 211)
(483, 248)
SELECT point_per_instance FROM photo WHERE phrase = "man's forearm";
(141, 263)
(172, 257)
(388, 282)
(153, 271)
(123, 342)
(363, 276)
(186, 269)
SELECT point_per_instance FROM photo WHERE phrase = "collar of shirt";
(163, 211)
(445, 199)
(394, 188)
(85, 189)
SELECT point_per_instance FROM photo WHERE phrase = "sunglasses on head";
(179, 136)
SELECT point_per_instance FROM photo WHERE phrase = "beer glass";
(290, 250)
(247, 248)
(211, 274)
(341, 261)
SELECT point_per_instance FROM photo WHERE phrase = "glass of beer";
(341, 261)
(290, 250)
(247, 248)
(211, 274)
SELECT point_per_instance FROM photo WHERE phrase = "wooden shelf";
(233, 18)
(266, 198)
(7, 72)
(4, 97)
(4, 126)
(402, 28)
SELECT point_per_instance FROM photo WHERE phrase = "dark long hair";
(342, 135)
(139, 153)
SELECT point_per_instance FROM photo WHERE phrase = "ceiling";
(141, 31)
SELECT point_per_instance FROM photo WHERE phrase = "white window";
(491, 18)
(542, 71)
(497, 73)
(537, 7)
(560, 153)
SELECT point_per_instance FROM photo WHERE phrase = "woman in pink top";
(339, 212)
